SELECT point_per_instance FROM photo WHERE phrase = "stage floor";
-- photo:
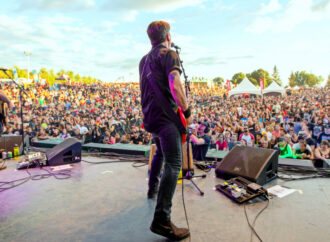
(107, 202)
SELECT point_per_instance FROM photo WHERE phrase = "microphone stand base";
(190, 178)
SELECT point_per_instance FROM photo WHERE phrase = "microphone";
(175, 46)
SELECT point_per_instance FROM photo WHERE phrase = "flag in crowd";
(228, 85)
(261, 83)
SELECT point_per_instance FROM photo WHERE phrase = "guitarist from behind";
(5, 104)
(165, 71)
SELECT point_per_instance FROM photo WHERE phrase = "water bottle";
(16, 150)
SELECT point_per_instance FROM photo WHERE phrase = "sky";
(107, 38)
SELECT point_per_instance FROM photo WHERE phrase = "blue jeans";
(168, 142)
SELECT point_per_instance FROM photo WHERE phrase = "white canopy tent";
(274, 88)
(245, 87)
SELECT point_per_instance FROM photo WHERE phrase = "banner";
(261, 83)
(228, 86)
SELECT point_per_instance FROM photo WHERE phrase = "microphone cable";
(251, 226)
(60, 175)
(184, 208)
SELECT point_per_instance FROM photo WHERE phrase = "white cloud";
(271, 7)
(295, 12)
(150, 5)
(96, 49)
(62, 5)
(168, 20)
(108, 26)
(130, 16)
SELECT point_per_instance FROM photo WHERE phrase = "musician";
(4, 100)
(165, 71)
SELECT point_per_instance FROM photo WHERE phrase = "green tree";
(51, 77)
(4, 76)
(312, 80)
(255, 76)
(87, 79)
(275, 77)
(292, 79)
(44, 73)
(60, 73)
(78, 78)
(71, 76)
(237, 78)
(218, 81)
(328, 81)
(302, 78)
(21, 73)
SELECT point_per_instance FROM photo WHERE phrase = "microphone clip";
(175, 46)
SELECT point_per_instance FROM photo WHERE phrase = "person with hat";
(264, 142)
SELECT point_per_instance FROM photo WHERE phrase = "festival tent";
(274, 88)
(245, 87)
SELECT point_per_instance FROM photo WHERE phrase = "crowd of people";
(296, 124)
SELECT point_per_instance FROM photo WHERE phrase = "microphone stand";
(190, 173)
(21, 91)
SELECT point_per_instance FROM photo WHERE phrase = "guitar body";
(184, 122)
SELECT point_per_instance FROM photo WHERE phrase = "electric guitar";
(184, 122)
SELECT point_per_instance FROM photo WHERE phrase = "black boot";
(169, 230)
(152, 194)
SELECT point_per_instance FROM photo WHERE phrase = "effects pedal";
(240, 189)
(35, 156)
(32, 160)
(26, 164)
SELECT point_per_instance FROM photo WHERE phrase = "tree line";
(49, 75)
(298, 78)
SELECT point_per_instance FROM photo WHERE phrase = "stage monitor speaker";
(69, 151)
(255, 164)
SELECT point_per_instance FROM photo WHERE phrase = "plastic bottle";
(16, 150)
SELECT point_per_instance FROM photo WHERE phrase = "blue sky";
(107, 38)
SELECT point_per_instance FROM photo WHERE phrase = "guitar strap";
(160, 98)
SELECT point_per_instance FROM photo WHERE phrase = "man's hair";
(157, 32)
(325, 142)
